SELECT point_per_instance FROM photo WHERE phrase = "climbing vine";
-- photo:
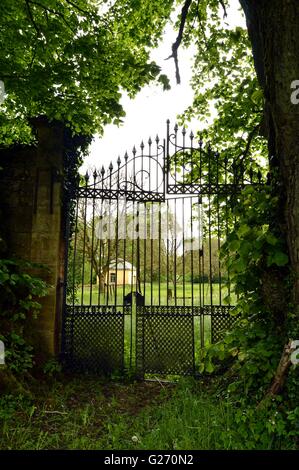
(248, 355)
(19, 294)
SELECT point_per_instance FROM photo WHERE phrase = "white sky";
(146, 115)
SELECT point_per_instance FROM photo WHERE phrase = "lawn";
(156, 294)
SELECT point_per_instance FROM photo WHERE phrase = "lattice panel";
(94, 338)
(221, 321)
(165, 340)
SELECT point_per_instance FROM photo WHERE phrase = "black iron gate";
(145, 289)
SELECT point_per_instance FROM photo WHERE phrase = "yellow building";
(121, 273)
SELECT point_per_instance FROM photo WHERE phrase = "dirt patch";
(103, 397)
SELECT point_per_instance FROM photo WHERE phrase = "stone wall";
(31, 186)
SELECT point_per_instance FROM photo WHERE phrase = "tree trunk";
(273, 27)
(282, 369)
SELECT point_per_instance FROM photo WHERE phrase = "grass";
(76, 413)
(156, 294)
(88, 414)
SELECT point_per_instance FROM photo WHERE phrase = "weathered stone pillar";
(31, 186)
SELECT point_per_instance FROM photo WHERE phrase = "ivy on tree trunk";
(273, 28)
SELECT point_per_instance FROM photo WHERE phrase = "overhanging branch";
(31, 17)
(177, 43)
(50, 10)
(224, 8)
(249, 141)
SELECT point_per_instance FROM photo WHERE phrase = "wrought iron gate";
(145, 288)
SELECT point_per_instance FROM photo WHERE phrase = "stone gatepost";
(31, 201)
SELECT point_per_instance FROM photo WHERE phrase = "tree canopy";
(72, 60)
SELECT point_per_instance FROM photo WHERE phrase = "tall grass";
(87, 414)
(189, 420)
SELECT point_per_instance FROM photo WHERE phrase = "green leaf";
(243, 230)
(271, 239)
(241, 356)
(227, 299)
(234, 245)
(245, 248)
(280, 258)
(257, 96)
(240, 265)
(209, 367)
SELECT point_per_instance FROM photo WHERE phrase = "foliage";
(9, 404)
(224, 81)
(19, 291)
(71, 61)
(252, 247)
(251, 251)
(52, 367)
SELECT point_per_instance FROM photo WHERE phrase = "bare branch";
(175, 46)
(224, 8)
(281, 373)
